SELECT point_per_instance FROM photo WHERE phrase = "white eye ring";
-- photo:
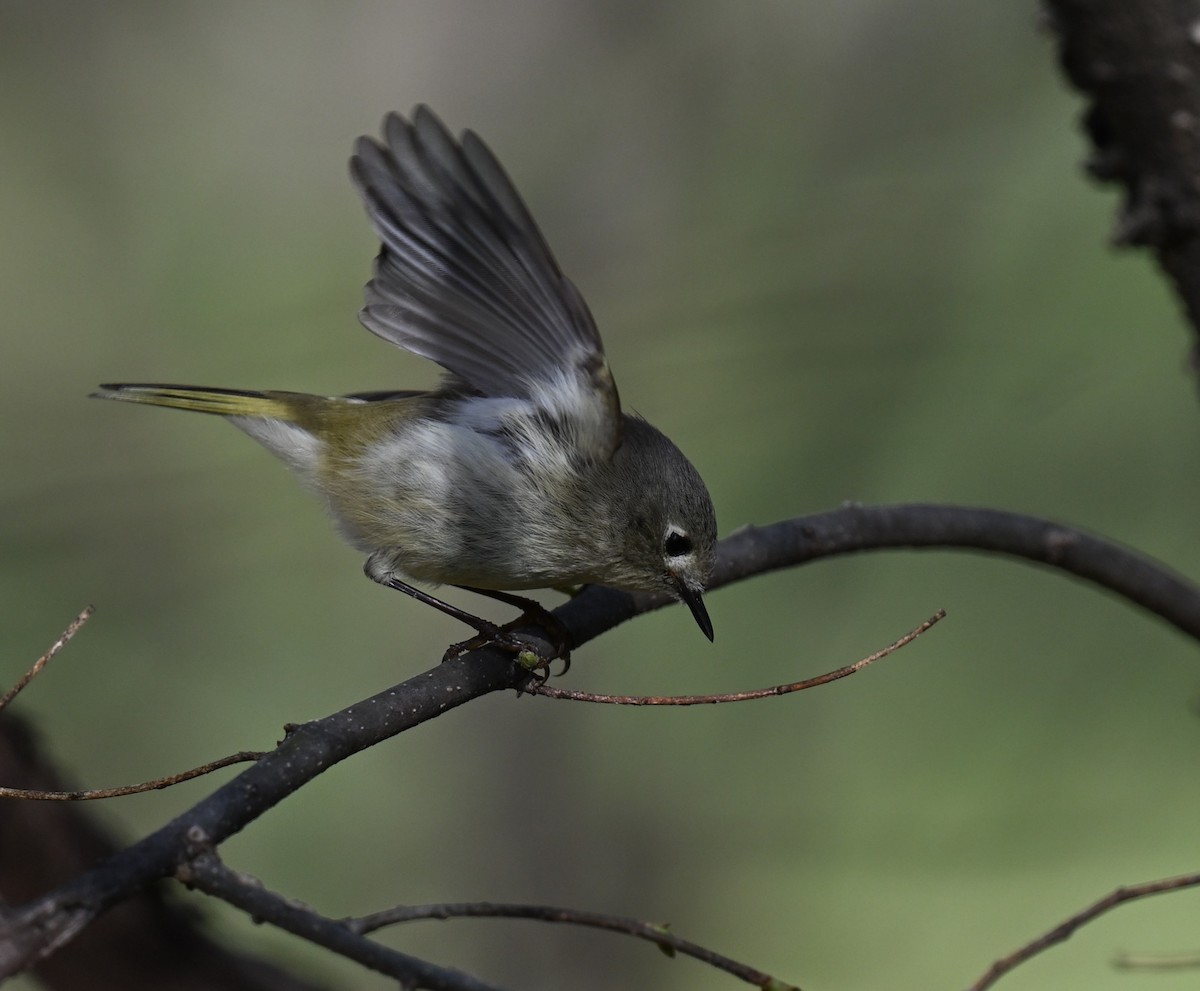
(677, 543)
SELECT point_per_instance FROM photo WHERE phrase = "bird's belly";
(446, 506)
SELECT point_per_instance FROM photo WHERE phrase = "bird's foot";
(506, 638)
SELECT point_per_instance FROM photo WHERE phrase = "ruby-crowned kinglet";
(520, 471)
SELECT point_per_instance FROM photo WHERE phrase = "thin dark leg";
(512, 599)
(488, 632)
(482, 626)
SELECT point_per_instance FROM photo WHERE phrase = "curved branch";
(92, 794)
(928, 526)
(774, 691)
(32, 931)
(659, 935)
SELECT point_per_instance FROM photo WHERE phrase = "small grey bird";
(520, 471)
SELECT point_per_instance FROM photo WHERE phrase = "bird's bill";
(695, 602)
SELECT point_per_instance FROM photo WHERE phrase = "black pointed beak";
(695, 603)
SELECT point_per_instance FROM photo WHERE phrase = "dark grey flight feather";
(464, 276)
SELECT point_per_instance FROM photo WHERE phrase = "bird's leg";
(377, 570)
(532, 611)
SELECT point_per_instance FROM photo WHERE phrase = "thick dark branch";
(1140, 579)
(1139, 65)
(151, 941)
(35, 930)
(31, 931)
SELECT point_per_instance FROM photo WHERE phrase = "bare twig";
(1067, 927)
(758, 693)
(155, 940)
(31, 931)
(172, 779)
(1146, 961)
(660, 935)
(207, 873)
(74, 627)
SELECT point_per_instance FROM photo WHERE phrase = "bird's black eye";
(677, 544)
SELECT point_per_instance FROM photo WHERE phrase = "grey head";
(657, 511)
(465, 278)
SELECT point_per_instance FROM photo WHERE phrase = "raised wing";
(465, 278)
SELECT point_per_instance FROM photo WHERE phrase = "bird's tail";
(288, 424)
(223, 402)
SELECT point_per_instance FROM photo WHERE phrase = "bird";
(520, 470)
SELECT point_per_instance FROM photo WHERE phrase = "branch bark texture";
(1138, 63)
(32, 931)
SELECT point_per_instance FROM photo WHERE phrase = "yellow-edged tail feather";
(223, 402)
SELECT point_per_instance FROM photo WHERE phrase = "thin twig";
(74, 627)
(46, 841)
(757, 693)
(1145, 961)
(207, 873)
(1067, 927)
(37, 928)
(241, 757)
(660, 935)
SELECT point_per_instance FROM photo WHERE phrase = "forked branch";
(31, 931)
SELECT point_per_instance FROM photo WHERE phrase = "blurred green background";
(837, 251)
